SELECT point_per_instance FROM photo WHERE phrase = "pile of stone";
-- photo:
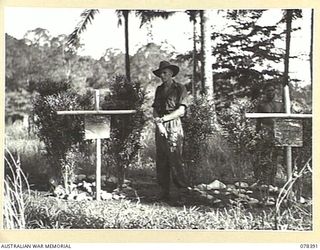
(218, 192)
(85, 190)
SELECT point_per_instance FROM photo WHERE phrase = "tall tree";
(193, 18)
(246, 54)
(145, 15)
(125, 15)
(288, 16)
(207, 58)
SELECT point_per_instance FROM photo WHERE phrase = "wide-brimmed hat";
(166, 65)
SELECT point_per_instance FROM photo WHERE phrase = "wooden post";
(288, 148)
(97, 131)
(286, 87)
(98, 169)
(98, 151)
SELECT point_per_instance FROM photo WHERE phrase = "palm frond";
(87, 17)
(120, 15)
(149, 15)
(192, 15)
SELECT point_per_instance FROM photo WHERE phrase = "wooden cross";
(290, 131)
(97, 127)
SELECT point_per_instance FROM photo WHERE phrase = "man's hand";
(162, 130)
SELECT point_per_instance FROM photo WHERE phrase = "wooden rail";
(96, 112)
(278, 115)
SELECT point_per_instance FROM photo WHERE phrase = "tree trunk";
(126, 33)
(194, 59)
(288, 39)
(207, 54)
(286, 89)
(202, 50)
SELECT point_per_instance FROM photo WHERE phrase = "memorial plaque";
(288, 132)
(97, 127)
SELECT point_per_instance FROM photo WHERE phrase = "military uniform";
(169, 149)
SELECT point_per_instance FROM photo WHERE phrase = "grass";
(15, 200)
(38, 210)
(52, 213)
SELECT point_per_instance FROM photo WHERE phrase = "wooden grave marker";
(287, 129)
(97, 127)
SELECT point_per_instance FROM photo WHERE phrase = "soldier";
(265, 167)
(168, 106)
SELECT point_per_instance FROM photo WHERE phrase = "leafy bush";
(60, 134)
(206, 154)
(125, 141)
(63, 135)
(240, 132)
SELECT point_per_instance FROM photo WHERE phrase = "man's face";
(270, 92)
(166, 75)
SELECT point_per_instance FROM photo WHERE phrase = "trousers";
(169, 162)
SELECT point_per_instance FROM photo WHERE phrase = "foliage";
(50, 213)
(15, 200)
(146, 16)
(87, 17)
(239, 131)
(125, 140)
(205, 153)
(60, 134)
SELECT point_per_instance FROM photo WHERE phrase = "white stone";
(230, 187)
(273, 189)
(253, 201)
(241, 184)
(209, 197)
(116, 197)
(216, 192)
(128, 182)
(243, 196)
(105, 195)
(202, 186)
(269, 203)
(216, 185)
(217, 201)
(81, 197)
(203, 194)
(302, 200)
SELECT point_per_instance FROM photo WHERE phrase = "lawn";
(229, 208)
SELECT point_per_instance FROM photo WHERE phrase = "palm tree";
(193, 18)
(145, 16)
(125, 15)
(87, 17)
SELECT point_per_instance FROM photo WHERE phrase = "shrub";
(240, 132)
(60, 134)
(125, 142)
(63, 135)
(206, 154)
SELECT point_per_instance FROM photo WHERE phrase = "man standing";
(266, 165)
(168, 107)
